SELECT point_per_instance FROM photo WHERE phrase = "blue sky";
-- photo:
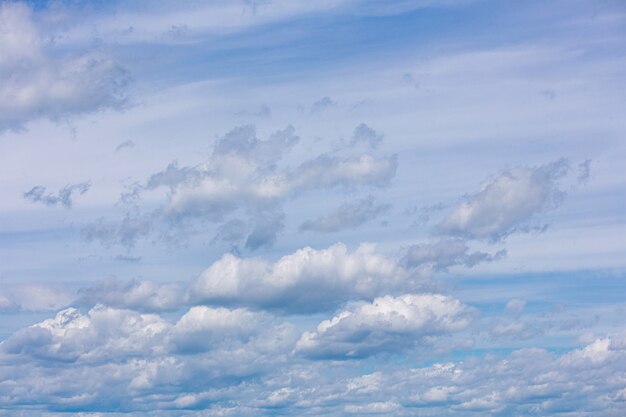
(342, 207)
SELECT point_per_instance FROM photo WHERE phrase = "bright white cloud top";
(330, 208)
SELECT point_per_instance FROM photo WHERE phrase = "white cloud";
(305, 281)
(387, 324)
(39, 82)
(244, 177)
(110, 335)
(588, 381)
(235, 182)
(103, 334)
(110, 356)
(238, 361)
(204, 328)
(507, 202)
(373, 408)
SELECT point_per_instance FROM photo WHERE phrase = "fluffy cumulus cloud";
(41, 82)
(347, 216)
(307, 280)
(104, 334)
(204, 328)
(116, 359)
(234, 361)
(387, 324)
(507, 202)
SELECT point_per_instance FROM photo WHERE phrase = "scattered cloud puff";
(39, 82)
(65, 196)
(363, 134)
(444, 253)
(322, 104)
(506, 202)
(584, 171)
(388, 324)
(347, 216)
(305, 281)
(515, 306)
(262, 111)
(373, 408)
(244, 178)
